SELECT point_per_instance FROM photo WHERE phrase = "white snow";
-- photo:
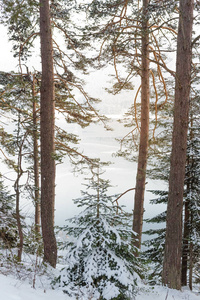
(163, 293)
(13, 289)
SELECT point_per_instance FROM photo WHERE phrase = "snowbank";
(163, 293)
(12, 289)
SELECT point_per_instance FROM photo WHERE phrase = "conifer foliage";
(100, 260)
(8, 224)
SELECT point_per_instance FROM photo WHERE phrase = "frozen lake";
(97, 142)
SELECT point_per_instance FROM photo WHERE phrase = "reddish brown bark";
(144, 132)
(173, 245)
(47, 120)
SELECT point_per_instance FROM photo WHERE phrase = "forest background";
(150, 51)
(95, 141)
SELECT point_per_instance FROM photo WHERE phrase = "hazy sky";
(95, 142)
(7, 62)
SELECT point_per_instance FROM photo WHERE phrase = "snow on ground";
(13, 289)
(163, 293)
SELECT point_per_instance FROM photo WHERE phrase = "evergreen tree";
(47, 136)
(160, 170)
(131, 39)
(173, 244)
(100, 256)
(154, 246)
(24, 26)
(159, 165)
(8, 223)
(191, 211)
(15, 104)
(191, 229)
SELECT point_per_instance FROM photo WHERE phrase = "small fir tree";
(8, 224)
(100, 259)
(154, 246)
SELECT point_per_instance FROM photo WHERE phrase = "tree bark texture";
(144, 132)
(47, 123)
(173, 244)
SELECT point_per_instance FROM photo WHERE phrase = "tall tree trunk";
(17, 190)
(18, 218)
(144, 132)
(36, 161)
(47, 125)
(173, 245)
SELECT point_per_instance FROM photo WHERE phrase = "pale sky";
(95, 142)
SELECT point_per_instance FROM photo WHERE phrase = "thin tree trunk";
(173, 245)
(17, 191)
(36, 162)
(144, 133)
(47, 136)
(18, 218)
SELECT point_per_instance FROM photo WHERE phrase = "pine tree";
(191, 230)
(24, 26)
(160, 170)
(191, 210)
(15, 104)
(130, 38)
(100, 256)
(173, 244)
(47, 138)
(138, 210)
(159, 165)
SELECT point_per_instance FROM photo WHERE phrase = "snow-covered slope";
(12, 289)
(163, 293)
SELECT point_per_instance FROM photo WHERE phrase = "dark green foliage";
(8, 225)
(192, 187)
(33, 243)
(154, 246)
(100, 254)
(21, 18)
(160, 170)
